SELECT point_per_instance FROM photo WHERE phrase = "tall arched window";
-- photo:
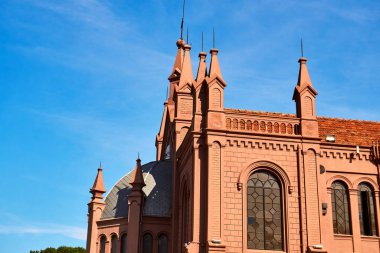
(113, 243)
(147, 245)
(340, 208)
(264, 211)
(185, 215)
(367, 214)
(123, 241)
(102, 247)
(163, 244)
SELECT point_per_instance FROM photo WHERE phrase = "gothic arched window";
(264, 211)
(102, 247)
(123, 246)
(113, 243)
(163, 244)
(367, 215)
(340, 208)
(147, 246)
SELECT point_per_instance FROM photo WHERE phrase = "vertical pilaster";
(135, 205)
(377, 210)
(312, 199)
(95, 209)
(355, 223)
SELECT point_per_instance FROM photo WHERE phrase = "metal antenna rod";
(202, 41)
(183, 17)
(213, 37)
(301, 48)
(187, 35)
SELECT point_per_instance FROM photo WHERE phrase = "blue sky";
(84, 81)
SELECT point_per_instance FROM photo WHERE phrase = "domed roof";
(158, 192)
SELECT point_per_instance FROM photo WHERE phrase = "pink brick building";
(231, 180)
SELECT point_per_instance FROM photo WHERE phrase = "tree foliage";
(62, 249)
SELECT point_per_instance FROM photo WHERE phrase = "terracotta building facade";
(241, 181)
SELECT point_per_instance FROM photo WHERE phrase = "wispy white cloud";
(91, 12)
(98, 134)
(93, 39)
(43, 229)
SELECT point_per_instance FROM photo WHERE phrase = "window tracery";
(264, 211)
(340, 208)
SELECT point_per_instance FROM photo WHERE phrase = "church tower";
(135, 204)
(236, 180)
(95, 209)
(305, 95)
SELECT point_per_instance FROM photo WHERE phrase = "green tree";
(62, 249)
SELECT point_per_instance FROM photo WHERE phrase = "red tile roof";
(351, 132)
(346, 131)
(260, 113)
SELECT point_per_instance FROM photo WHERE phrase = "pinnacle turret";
(303, 79)
(214, 64)
(98, 188)
(303, 76)
(138, 181)
(187, 76)
(202, 68)
(179, 57)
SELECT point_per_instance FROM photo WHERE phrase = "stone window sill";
(342, 237)
(370, 238)
(264, 251)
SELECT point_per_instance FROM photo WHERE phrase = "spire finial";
(213, 37)
(301, 48)
(202, 41)
(138, 181)
(187, 34)
(98, 187)
(183, 17)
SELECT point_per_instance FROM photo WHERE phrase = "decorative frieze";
(263, 126)
(345, 155)
(262, 145)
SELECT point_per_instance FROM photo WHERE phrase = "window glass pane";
(123, 246)
(163, 244)
(103, 240)
(147, 243)
(264, 212)
(340, 208)
(367, 212)
(113, 243)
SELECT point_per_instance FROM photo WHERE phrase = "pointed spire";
(202, 68)
(303, 76)
(138, 181)
(304, 80)
(98, 188)
(187, 71)
(179, 57)
(214, 64)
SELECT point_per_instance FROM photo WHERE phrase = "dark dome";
(158, 192)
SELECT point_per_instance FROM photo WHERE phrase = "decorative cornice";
(261, 145)
(349, 155)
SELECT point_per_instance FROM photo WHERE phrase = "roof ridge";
(258, 111)
(347, 119)
(291, 114)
